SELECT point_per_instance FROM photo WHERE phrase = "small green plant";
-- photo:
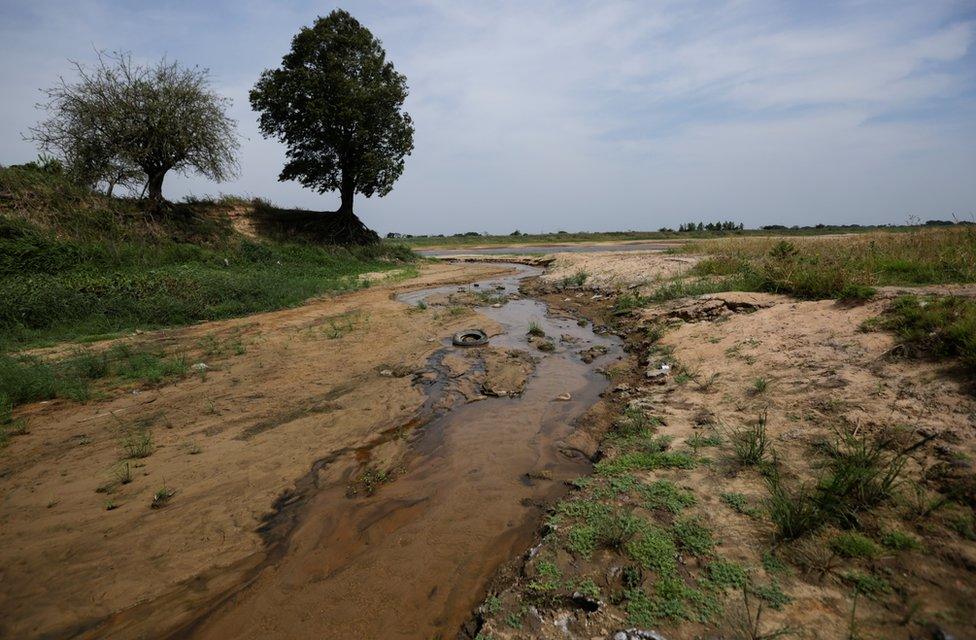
(698, 440)
(110, 505)
(514, 619)
(137, 442)
(576, 280)
(795, 513)
(535, 329)
(662, 494)
(740, 504)
(900, 541)
(546, 345)
(693, 536)
(617, 530)
(852, 544)
(866, 583)
(772, 564)
(588, 588)
(492, 605)
(372, 478)
(751, 444)
(161, 497)
(646, 460)
(422, 305)
(938, 326)
(783, 250)
(629, 301)
(746, 622)
(759, 386)
(861, 472)
(773, 595)
(725, 574)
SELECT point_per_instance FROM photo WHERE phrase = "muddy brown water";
(413, 559)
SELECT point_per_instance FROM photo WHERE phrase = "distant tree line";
(710, 226)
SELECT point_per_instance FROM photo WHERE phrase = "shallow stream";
(413, 559)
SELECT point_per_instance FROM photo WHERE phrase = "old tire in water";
(470, 338)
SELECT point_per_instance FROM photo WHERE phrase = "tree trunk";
(343, 227)
(154, 188)
(346, 194)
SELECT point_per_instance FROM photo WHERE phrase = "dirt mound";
(711, 307)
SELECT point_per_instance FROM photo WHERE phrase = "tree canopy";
(337, 104)
(122, 122)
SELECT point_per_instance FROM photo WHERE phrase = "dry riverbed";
(339, 470)
(736, 407)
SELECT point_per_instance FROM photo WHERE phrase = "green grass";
(846, 268)
(866, 583)
(662, 494)
(852, 544)
(740, 504)
(794, 512)
(726, 574)
(30, 379)
(693, 536)
(578, 279)
(645, 460)
(750, 445)
(938, 327)
(900, 541)
(75, 264)
(535, 329)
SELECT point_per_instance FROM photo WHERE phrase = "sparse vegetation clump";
(939, 327)
(751, 444)
(29, 378)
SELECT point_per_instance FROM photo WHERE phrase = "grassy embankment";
(77, 266)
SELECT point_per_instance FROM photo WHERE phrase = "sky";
(577, 115)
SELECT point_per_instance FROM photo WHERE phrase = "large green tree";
(337, 103)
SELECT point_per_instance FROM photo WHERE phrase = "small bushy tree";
(122, 122)
(337, 103)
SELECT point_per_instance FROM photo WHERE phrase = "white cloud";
(610, 114)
